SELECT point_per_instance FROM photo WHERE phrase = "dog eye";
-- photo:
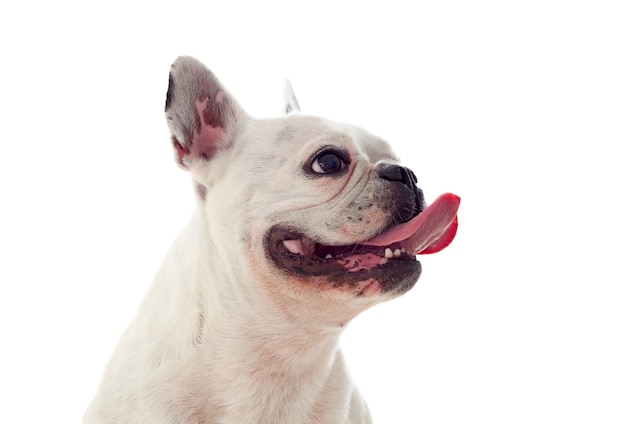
(327, 163)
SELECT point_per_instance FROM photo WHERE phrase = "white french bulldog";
(301, 224)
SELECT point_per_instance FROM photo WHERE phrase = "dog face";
(305, 210)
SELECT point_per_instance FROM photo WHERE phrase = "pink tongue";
(429, 232)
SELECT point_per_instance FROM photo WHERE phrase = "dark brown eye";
(327, 163)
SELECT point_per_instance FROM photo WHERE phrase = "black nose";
(408, 198)
(397, 173)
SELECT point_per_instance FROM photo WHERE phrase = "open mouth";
(389, 255)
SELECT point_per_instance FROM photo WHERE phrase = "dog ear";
(201, 114)
(291, 103)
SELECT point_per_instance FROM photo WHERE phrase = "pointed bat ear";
(291, 103)
(201, 114)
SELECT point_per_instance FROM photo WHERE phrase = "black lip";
(398, 275)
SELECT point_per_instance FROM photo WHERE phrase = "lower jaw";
(395, 276)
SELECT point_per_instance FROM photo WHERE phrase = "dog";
(301, 224)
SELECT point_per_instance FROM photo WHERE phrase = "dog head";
(311, 211)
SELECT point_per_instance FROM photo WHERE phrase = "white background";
(517, 106)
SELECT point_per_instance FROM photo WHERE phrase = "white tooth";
(397, 252)
(403, 250)
(329, 256)
(388, 253)
(294, 246)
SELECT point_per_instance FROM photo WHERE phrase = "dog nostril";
(390, 172)
(397, 173)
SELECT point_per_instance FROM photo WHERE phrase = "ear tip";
(185, 58)
(180, 60)
(291, 103)
(187, 63)
(183, 70)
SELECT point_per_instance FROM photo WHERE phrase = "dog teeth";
(294, 246)
(329, 256)
(394, 253)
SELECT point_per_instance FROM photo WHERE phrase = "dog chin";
(355, 268)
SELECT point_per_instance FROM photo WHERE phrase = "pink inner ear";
(208, 138)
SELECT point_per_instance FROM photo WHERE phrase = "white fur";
(223, 336)
(162, 373)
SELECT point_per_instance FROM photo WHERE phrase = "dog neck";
(245, 359)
